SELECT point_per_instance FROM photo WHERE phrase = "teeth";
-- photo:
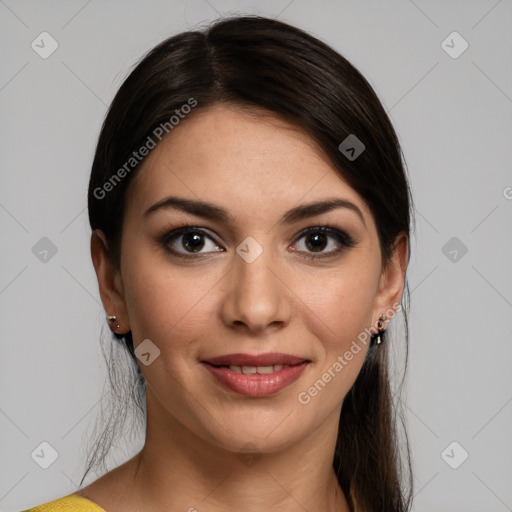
(248, 370)
(265, 369)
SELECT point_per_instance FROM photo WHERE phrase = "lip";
(267, 359)
(256, 385)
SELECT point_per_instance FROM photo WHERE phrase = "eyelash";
(343, 238)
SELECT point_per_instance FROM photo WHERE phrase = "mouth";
(256, 376)
(252, 370)
(261, 360)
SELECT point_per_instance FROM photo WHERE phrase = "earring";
(380, 325)
(113, 319)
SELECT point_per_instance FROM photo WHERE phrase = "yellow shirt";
(70, 503)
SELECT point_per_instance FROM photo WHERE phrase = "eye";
(188, 239)
(316, 239)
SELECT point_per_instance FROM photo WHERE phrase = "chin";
(266, 433)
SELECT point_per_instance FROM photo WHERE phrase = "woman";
(250, 217)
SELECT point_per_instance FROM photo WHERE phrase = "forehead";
(246, 161)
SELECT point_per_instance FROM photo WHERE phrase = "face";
(255, 280)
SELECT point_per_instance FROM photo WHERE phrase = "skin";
(256, 167)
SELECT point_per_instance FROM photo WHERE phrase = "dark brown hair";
(256, 62)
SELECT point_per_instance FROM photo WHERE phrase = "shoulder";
(70, 503)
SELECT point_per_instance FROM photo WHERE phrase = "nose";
(256, 297)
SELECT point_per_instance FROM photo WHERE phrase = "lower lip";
(255, 384)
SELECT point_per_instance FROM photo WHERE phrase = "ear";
(391, 285)
(109, 281)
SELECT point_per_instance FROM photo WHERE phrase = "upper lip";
(268, 359)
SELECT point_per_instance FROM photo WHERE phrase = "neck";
(177, 470)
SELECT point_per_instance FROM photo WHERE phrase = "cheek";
(337, 319)
(340, 304)
(167, 304)
(339, 308)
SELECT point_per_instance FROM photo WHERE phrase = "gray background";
(454, 119)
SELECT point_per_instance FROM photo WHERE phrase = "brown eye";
(316, 241)
(192, 241)
(189, 240)
(319, 238)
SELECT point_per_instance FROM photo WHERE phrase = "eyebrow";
(213, 212)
